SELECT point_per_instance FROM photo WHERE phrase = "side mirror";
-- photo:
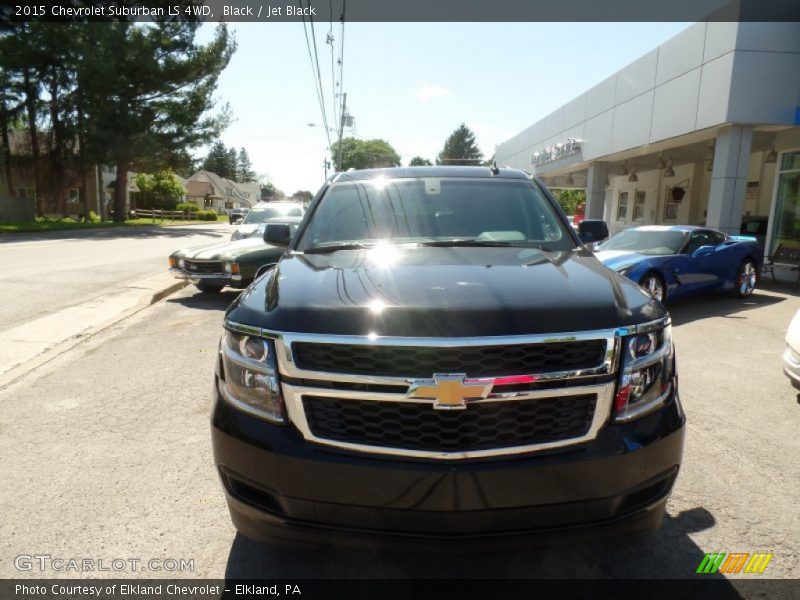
(592, 230)
(263, 269)
(278, 234)
(703, 251)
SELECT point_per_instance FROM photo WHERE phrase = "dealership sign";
(556, 152)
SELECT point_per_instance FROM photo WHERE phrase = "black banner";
(704, 587)
(271, 11)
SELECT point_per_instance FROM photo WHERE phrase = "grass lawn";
(53, 225)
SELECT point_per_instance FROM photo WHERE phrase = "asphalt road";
(106, 454)
(43, 273)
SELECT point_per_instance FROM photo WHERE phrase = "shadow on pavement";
(206, 301)
(668, 553)
(695, 308)
(112, 233)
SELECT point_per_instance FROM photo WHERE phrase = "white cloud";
(426, 91)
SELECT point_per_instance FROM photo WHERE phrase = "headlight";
(625, 269)
(646, 374)
(181, 263)
(250, 376)
(227, 268)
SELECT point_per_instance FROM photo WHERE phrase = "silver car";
(263, 212)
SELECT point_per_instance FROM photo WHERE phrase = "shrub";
(188, 207)
(94, 217)
(206, 215)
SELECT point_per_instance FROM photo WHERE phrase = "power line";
(334, 83)
(319, 75)
(315, 71)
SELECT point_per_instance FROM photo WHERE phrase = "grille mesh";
(194, 266)
(423, 361)
(481, 426)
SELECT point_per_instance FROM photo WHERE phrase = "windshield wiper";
(466, 242)
(334, 247)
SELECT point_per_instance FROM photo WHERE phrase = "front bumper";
(210, 278)
(791, 366)
(280, 486)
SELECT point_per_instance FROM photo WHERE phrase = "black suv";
(437, 356)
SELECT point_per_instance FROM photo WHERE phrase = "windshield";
(647, 241)
(438, 211)
(259, 215)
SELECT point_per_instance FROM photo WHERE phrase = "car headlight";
(181, 263)
(624, 270)
(646, 374)
(227, 268)
(249, 378)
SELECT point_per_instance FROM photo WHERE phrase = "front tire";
(746, 279)
(654, 285)
(209, 288)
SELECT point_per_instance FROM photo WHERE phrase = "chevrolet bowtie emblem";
(449, 391)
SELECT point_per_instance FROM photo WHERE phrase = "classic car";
(263, 212)
(233, 264)
(673, 261)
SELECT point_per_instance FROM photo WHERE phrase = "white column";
(729, 178)
(596, 190)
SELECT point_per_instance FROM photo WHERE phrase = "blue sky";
(412, 84)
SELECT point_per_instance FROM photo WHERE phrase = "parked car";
(233, 264)
(673, 261)
(755, 227)
(791, 357)
(237, 214)
(423, 364)
(264, 211)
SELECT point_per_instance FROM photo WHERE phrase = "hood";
(442, 292)
(619, 259)
(247, 229)
(223, 250)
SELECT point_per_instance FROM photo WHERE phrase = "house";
(212, 192)
(74, 194)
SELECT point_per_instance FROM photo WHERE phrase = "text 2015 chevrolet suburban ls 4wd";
(437, 356)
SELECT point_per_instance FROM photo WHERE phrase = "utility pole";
(326, 164)
(341, 129)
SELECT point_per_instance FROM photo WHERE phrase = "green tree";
(270, 192)
(418, 161)
(148, 92)
(460, 148)
(244, 168)
(303, 196)
(569, 199)
(160, 190)
(217, 161)
(364, 154)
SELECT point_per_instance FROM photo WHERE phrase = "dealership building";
(704, 129)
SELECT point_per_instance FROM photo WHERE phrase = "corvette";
(674, 261)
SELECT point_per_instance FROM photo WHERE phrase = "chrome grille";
(205, 267)
(475, 361)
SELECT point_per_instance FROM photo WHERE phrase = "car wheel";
(654, 285)
(209, 288)
(746, 279)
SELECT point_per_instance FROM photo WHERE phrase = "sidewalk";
(36, 342)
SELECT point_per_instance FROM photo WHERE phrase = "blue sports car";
(673, 261)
